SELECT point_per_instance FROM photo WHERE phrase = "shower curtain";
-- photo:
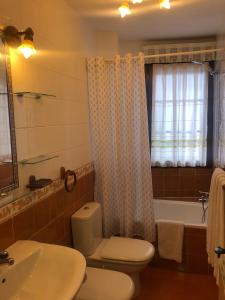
(120, 144)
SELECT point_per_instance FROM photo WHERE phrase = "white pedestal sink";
(41, 272)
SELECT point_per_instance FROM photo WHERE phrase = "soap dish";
(38, 183)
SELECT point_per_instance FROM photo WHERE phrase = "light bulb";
(124, 9)
(165, 4)
(136, 1)
(27, 48)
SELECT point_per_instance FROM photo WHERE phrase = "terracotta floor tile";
(164, 284)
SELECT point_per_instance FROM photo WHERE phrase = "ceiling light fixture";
(124, 9)
(136, 1)
(12, 37)
(165, 4)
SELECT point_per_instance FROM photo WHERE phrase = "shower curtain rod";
(175, 53)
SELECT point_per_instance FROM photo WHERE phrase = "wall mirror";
(8, 158)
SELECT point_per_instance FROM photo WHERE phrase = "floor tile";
(164, 284)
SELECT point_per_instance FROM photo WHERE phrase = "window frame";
(210, 121)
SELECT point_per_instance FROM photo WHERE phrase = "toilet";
(105, 285)
(121, 254)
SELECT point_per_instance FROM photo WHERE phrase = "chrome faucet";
(204, 197)
(5, 259)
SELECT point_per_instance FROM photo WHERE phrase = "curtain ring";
(69, 173)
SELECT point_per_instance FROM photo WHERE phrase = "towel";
(222, 275)
(216, 219)
(170, 240)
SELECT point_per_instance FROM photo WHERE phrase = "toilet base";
(137, 284)
(114, 286)
(134, 275)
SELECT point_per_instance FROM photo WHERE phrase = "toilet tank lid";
(127, 249)
(86, 211)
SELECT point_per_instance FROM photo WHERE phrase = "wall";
(45, 219)
(106, 43)
(180, 182)
(133, 47)
(50, 125)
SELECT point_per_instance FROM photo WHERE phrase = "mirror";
(8, 159)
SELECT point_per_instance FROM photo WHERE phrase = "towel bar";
(219, 251)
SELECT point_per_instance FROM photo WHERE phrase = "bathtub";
(194, 246)
(182, 211)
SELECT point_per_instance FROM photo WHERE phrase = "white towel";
(216, 219)
(170, 240)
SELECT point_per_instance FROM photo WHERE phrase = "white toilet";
(105, 285)
(116, 253)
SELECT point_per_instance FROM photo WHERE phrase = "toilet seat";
(105, 285)
(99, 259)
(127, 249)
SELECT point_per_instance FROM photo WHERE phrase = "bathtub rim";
(180, 203)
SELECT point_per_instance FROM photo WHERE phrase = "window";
(179, 115)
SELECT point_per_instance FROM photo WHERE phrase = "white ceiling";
(186, 18)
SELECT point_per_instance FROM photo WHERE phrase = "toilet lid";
(126, 249)
(105, 285)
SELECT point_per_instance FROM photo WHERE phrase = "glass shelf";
(31, 95)
(37, 159)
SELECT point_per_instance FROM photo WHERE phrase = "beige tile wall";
(50, 125)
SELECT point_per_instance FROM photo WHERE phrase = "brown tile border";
(12, 209)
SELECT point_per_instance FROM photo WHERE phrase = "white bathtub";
(182, 211)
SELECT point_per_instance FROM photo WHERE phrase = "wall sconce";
(13, 38)
(164, 4)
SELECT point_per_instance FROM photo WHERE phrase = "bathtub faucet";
(204, 197)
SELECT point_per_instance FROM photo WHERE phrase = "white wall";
(107, 43)
(133, 47)
(59, 125)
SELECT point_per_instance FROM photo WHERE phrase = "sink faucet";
(5, 259)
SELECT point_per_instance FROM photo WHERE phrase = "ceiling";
(185, 19)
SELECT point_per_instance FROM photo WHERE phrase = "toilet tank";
(87, 228)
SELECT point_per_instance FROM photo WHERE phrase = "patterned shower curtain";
(120, 143)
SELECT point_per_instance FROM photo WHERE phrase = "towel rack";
(219, 251)
(65, 174)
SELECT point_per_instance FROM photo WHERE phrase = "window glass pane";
(179, 115)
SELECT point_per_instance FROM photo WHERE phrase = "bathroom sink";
(41, 271)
